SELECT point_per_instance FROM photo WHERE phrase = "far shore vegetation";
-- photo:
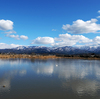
(48, 56)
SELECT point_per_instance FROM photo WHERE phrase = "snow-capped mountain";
(52, 50)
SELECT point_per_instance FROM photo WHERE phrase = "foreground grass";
(26, 56)
(6, 56)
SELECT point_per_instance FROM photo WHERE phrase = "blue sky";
(49, 23)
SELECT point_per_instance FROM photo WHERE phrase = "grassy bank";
(26, 56)
(6, 56)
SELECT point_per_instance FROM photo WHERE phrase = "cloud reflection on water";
(10, 69)
(5, 80)
(81, 87)
(82, 76)
(68, 68)
(43, 69)
(6, 83)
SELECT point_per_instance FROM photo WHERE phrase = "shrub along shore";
(9, 56)
(29, 56)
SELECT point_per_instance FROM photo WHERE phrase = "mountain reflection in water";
(53, 78)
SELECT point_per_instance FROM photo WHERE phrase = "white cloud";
(10, 32)
(61, 44)
(54, 30)
(6, 25)
(70, 40)
(23, 37)
(99, 11)
(13, 36)
(17, 37)
(80, 26)
(43, 40)
(98, 16)
(97, 39)
(95, 42)
(4, 46)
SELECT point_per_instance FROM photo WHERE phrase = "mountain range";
(67, 50)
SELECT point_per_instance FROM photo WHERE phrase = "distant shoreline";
(26, 56)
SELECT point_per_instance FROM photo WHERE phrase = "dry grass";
(89, 58)
(12, 56)
(5, 56)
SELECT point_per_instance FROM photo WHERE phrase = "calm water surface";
(49, 79)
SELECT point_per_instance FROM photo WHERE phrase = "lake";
(49, 79)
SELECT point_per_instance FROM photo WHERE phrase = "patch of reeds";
(6, 56)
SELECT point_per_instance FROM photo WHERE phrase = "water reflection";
(66, 68)
(43, 69)
(4, 82)
(80, 77)
(82, 87)
(8, 69)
